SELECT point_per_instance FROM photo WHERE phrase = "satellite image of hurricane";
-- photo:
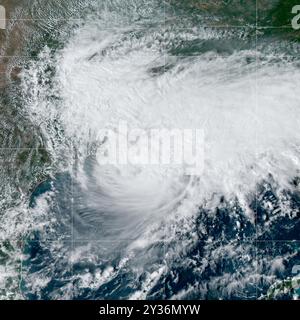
(149, 150)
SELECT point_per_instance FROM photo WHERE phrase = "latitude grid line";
(215, 25)
(165, 241)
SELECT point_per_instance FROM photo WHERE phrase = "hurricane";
(73, 228)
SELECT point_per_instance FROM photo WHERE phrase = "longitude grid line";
(21, 270)
(72, 218)
(256, 141)
(72, 214)
(73, 174)
(165, 226)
